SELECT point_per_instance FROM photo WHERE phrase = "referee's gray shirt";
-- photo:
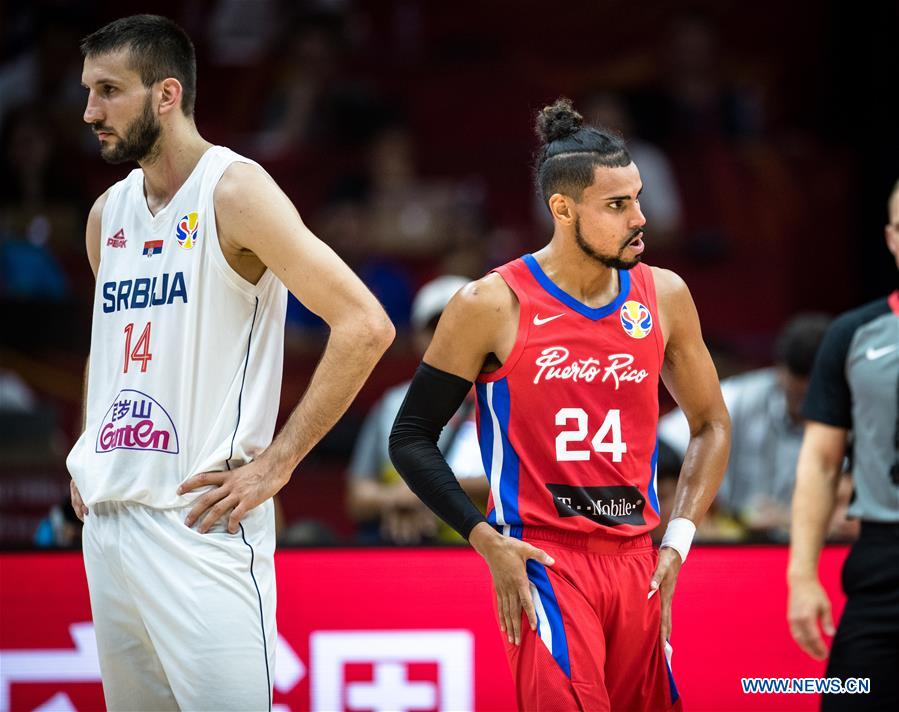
(855, 385)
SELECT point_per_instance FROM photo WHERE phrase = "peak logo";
(135, 421)
(553, 363)
(186, 232)
(117, 240)
(636, 319)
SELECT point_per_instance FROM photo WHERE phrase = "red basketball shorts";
(597, 644)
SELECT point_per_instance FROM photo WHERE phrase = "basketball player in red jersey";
(566, 347)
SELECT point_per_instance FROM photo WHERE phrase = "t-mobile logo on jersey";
(609, 506)
(392, 670)
(553, 363)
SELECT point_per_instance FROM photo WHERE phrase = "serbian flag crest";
(152, 247)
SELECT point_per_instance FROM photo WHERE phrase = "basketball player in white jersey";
(176, 467)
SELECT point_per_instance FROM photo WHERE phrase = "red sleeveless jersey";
(567, 426)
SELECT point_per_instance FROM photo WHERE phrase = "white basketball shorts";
(184, 621)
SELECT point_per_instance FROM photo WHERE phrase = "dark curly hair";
(570, 151)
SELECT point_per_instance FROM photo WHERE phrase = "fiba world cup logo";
(636, 319)
(186, 232)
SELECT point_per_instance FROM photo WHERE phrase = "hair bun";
(558, 121)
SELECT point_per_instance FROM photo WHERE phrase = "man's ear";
(562, 208)
(170, 92)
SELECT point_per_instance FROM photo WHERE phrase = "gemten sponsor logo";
(610, 506)
(136, 421)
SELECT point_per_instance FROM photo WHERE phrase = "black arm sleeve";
(432, 399)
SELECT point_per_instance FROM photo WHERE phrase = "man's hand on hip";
(664, 579)
(235, 491)
(77, 502)
(507, 559)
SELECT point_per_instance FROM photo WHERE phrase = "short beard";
(610, 261)
(140, 140)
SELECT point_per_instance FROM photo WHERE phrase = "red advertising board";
(414, 629)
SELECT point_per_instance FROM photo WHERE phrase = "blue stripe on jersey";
(671, 686)
(651, 489)
(555, 637)
(508, 485)
(624, 281)
(485, 439)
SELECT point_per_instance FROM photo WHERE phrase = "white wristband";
(679, 536)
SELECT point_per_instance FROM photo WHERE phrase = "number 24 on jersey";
(610, 426)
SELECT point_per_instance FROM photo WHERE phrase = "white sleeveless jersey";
(186, 355)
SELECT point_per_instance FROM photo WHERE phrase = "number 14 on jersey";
(611, 425)
(141, 351)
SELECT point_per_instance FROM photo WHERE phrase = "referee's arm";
(828, 413)
(817, 477)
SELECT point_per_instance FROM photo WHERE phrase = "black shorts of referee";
(867, 641)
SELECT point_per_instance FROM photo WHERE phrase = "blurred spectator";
(701, 100)
(378, 499)
(29, 429)
(60, 529)
(309, 102)
(307, 532)
(700, 112)
(40, 216)
(408, 215)
(660, 200)
(15, 395)
(302, 531)
(668, 466)
(306, 66)
(345, 225)
(239, 32)
(473, 238)
(396, 228)
(715, 525)
(767, 430)
(39, 61)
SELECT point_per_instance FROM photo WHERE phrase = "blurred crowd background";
(402, 130)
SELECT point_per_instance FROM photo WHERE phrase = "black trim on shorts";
(243, 380)
(268, 678)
